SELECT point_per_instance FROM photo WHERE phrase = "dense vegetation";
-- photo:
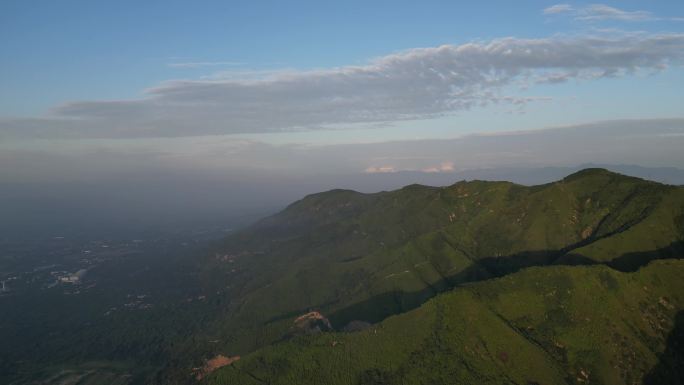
(361, 259)
(364, 257)
(552, 325)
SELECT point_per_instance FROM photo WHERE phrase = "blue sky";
(72, 50)
(119, 75)
(54, 52)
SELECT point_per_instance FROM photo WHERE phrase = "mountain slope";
(551, 325)
(344, 261)
(364, 257)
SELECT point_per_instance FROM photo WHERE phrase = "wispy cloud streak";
(202, 64)
(601, 12)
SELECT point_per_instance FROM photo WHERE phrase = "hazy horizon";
(246, 112)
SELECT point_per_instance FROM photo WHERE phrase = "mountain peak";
(592, 172)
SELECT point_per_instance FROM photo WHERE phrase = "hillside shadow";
(379, 307)
(670, 367)
(631, 262)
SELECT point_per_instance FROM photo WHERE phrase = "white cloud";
(380, 170)
(558, 8)
(444, 167)
(601, 12)
(416, 84)
(192, 65)
(447, 166)
(604, 12)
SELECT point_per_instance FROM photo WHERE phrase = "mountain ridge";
(364, 257)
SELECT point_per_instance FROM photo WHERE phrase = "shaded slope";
(670, 368)
(551, 325)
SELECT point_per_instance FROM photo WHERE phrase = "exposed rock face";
(311, 323)
(213, 364)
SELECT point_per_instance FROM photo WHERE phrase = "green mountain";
(360, 258)
(575, 281)
(551, 325)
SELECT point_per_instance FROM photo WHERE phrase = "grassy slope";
(367, 256)
(550, 325)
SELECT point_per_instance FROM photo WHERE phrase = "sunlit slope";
(364, 257)
(543, 325)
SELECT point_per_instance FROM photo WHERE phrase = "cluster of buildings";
(4, 284)
(66, 277)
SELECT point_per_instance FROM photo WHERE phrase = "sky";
(258, 94)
